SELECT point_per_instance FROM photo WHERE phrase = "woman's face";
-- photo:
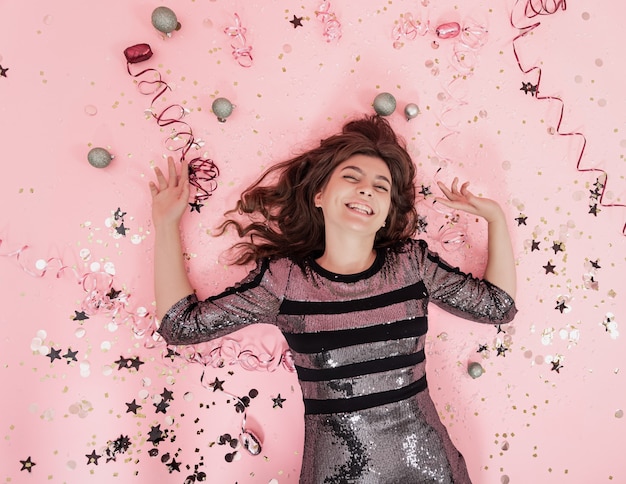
(357, 196)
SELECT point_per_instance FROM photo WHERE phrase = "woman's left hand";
(460, 198)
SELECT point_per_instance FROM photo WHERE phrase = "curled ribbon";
(332, 26)
(408, 28)
(242, 52)
(203, 172)
(100, 296)
(537, 8)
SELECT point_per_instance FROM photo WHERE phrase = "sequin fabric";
(358, 347)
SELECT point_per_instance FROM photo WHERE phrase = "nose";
(365, 190)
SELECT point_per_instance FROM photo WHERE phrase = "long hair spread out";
(277, 216)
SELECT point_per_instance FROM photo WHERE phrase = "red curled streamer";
(203, 172)
(537, 8)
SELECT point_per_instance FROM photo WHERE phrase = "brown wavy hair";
(277, 215)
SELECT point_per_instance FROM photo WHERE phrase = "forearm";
(500, 269)
(171, 282)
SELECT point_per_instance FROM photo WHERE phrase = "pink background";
(67, 90)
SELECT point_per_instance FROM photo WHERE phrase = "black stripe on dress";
(329, 340)
(354, 404)
(414, 291)
(362, 368)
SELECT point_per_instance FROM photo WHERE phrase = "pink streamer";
(99, 298)
(332, 26)
(537, 8)
(242, 52)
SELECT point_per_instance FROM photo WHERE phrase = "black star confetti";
(54, 354)
(92, 458)
(27, 465)
(561, 306)
(557, 246)
(422, 224)
(161, 407)
(278, 401)
(425, 190)
(534, 245)
(595, 264)
(119, 215)
(116, 447)
(594, 210)
(196, 206)
(70, 355)
(3, 71)
(297, 22)
(549, 268)
(156, 435)
(129, 363)
(167, 395)
(521, 220)
(501, 350)
(113, 294)
(482, 348)
(121, 229)
(528, 87)
(133, 407)
(173, 466)
(556, 366)
(80, 316)
(217, 384)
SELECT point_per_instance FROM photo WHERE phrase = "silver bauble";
(384, 104)
(475, 370)
(222, 108)
(411, 111)
(164, 20)
(99, 157)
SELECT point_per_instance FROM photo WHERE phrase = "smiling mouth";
(357, 207)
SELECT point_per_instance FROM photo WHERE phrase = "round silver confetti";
(222, 108)
(384, 104)
(99, 157)
(475, 369)
(411, 111)
(164, 20)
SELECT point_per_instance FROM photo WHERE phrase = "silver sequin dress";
(358, 346)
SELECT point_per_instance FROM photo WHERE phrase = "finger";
(173, 176)
(444, 189)
(455, 184)
(184, 171)
(160, 178)
(154, 191)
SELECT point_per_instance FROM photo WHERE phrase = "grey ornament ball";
(384, 104)
(475, 369)
(164, 20)
(411, 111)
(222, 108)
(99, 157)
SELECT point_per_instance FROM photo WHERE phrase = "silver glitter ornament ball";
(164, 20)
(475, 370)
(384, 104)
(222, 108)
(411, 111)
(99, 157)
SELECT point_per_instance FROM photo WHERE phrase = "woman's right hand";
(170, 195)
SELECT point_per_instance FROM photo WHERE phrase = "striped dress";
(358, 346)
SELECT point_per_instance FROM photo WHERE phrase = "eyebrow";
(357, 169)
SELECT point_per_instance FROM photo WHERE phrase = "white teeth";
(361, 208)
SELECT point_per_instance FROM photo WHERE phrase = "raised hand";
(170, 195)
(460, 198)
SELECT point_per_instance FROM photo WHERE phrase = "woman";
(339, 274)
